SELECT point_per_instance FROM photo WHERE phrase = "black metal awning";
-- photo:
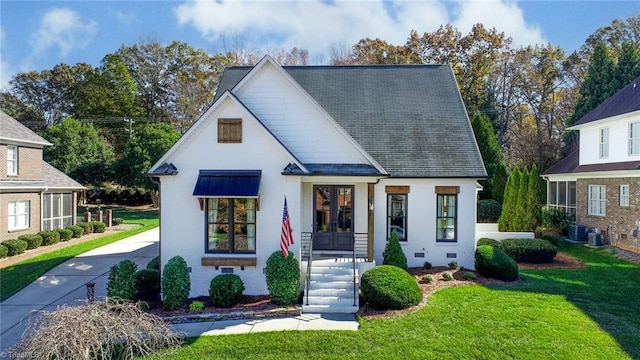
(228, 183)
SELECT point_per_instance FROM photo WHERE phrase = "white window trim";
(13, 168)
(634, 138)
(624, 195)
(61, 217)
(604, 143)
(15, 213)
(597, 206)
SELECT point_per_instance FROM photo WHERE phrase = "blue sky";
(36, 35)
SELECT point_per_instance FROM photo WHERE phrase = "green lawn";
(16, 277)
(590, 313)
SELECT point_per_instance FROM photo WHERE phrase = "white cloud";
(315, 24)
(63, 29)
(123, 18)
(6, 69)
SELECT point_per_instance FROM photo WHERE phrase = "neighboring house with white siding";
(599, 185)
(359, 151)
(34, 196)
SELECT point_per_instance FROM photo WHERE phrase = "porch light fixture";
(371, 204)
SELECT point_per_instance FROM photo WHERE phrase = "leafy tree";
(148, 145)
(499, 183)
(534, 198)
(521, 219)
(79, 151)
(490, 151)
(509, 205)
(628, 67)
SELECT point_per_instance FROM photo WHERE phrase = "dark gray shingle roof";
(626, 100)
(56, 179)
(12, 130)
(410, 119)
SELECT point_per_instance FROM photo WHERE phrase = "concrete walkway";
(66, 285)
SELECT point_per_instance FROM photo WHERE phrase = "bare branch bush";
(95, 330)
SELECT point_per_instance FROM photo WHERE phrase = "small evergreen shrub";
(552, 239)
(489, 211)
(283, 278)
(154, 263)
(77, 230)
(122, 280)
(65, 234)
(556, 220)
(226, 290)
(393, 254)
(454, 265)
(494, 263)
(427, 265)
(33, 240)
(469, 276)
(491, 242)
(147, 284)
(535, 251)
(196, 306)
(87, 227)
(389, 287)
(428, 279)
(117, 221)
(447, 276)
(176, 283)
(99, 226)
(49, 237)
(4, 251)
(15, 246)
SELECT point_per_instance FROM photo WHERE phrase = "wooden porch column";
(370, 217)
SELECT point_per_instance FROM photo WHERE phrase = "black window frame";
(231, 224)
(405, 217)
(454, 217)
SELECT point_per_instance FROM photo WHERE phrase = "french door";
(333, 217)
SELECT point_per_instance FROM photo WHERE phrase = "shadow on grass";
(606, 291)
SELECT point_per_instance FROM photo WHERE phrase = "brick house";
(34, 196)
(599, 184)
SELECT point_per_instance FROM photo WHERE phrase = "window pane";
(57, 204)
(446, 219)
(397, 215)
(46, 206)
(572, 193)
(67, 205)
(46, 225)
(562, 193)
(553, 193)
(218, 210)
(218, 237)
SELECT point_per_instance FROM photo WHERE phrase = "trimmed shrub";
(154, 263)
(389, 287)
(147, 284)
(98, 226)
(77, 230)
(469, 276)
(489, 211)
(15, 246)
(447, 276)
(226, 290)
(33, 240)
(427, 279)
(87, 227)
(4, 251)
(176, 283)
(49, 237)
(535, 251)
(453, 265)
(427, 265)
(491, 242)
(122, 280)
(393, 254)
(196, 306)
(552, 239)
(283, 278)
(556, 220)
(117, 221)
(65, 234)
(494, 263)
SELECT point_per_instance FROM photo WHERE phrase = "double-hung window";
(231, 225)
(597, 200)
(12, 160)
(624, 195)
(604, 143)
(18, 215)
(397, 215)
(634, 138)
(447, 213)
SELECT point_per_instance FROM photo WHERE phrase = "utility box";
(577, 232)
(594, 239)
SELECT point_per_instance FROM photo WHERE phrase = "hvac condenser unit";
(594, 239)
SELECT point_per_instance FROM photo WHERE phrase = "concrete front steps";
(331, 287)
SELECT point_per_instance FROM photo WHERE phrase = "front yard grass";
(589, 313)
(15, 277)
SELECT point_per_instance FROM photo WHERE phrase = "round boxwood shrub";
(117, 221)
(33, 240)
(489, 241)
(122, 280)
(99, 226)
(154, 263)
(552, 239)
(389, 287)
(15, 246)
(77, 230)
(534, 251)
(3, 251)
(226, 290)
(489, 211)
(176, 284)
(87, 227)
(147, 284)
(65, 234)
(494, 263)
(393, 254)
(283, 278)
(49, 237)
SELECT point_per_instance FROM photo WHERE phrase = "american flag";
(286, 237)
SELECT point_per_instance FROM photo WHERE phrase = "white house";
(599, 185)
(359, 151)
